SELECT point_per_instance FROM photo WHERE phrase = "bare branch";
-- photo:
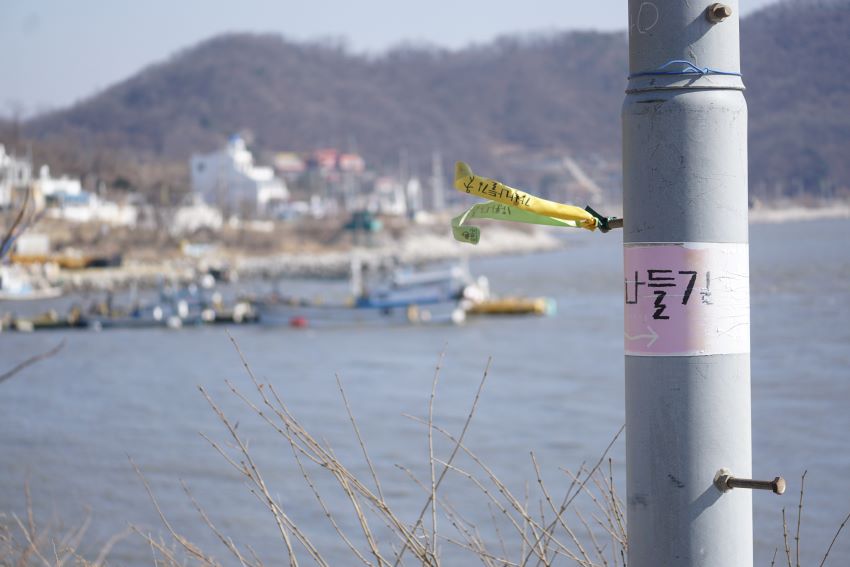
(10, 235)
(359, 438)
(799, 517)
(191, 548)
(785, 538)
(433, 494)
(834, 538)
(453, 453)
(32, 360)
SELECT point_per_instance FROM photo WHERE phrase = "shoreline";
(795, 213)
(417, 246)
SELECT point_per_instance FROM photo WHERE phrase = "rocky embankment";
(414, 247)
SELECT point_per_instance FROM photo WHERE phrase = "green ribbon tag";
(498, 211)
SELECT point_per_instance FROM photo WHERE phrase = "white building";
(388, 197)
(228, 178)
(57, 186)
(65, 199)
(195, 215)
(413, 194)
(85, 207)
(393, 197)
(14, 173)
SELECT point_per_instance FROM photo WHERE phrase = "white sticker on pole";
(687, 299)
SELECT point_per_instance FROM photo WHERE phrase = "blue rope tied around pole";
(690, 69)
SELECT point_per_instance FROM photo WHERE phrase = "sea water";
(71, 425)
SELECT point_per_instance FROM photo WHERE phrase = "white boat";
(19, 285)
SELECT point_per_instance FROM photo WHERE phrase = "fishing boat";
(399, 296)
(512, 306)
(47, 321)
(176, 307)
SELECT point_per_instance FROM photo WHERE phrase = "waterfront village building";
(392, 197)
(88, 207)
(15, 173)
(229, 179)
(193, 215)
(68, 201)
(334, 182)
(289, 164)
(53, 187)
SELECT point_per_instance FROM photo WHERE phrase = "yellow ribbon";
(468, 182)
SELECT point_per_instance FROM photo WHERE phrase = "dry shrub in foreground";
(540, 527)
(23, 542)
(583, 523)
(795, 560)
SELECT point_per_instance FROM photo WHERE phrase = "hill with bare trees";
(491, 104)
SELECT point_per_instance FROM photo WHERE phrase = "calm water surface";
(69, 424)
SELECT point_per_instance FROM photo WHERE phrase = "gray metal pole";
(686, 287)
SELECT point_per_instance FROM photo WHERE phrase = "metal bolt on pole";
(686, 286)
(724, 481)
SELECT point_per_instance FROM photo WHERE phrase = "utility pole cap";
(718, 12)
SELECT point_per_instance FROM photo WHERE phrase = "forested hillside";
(491, 103)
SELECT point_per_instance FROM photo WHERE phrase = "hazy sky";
(54, 52)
